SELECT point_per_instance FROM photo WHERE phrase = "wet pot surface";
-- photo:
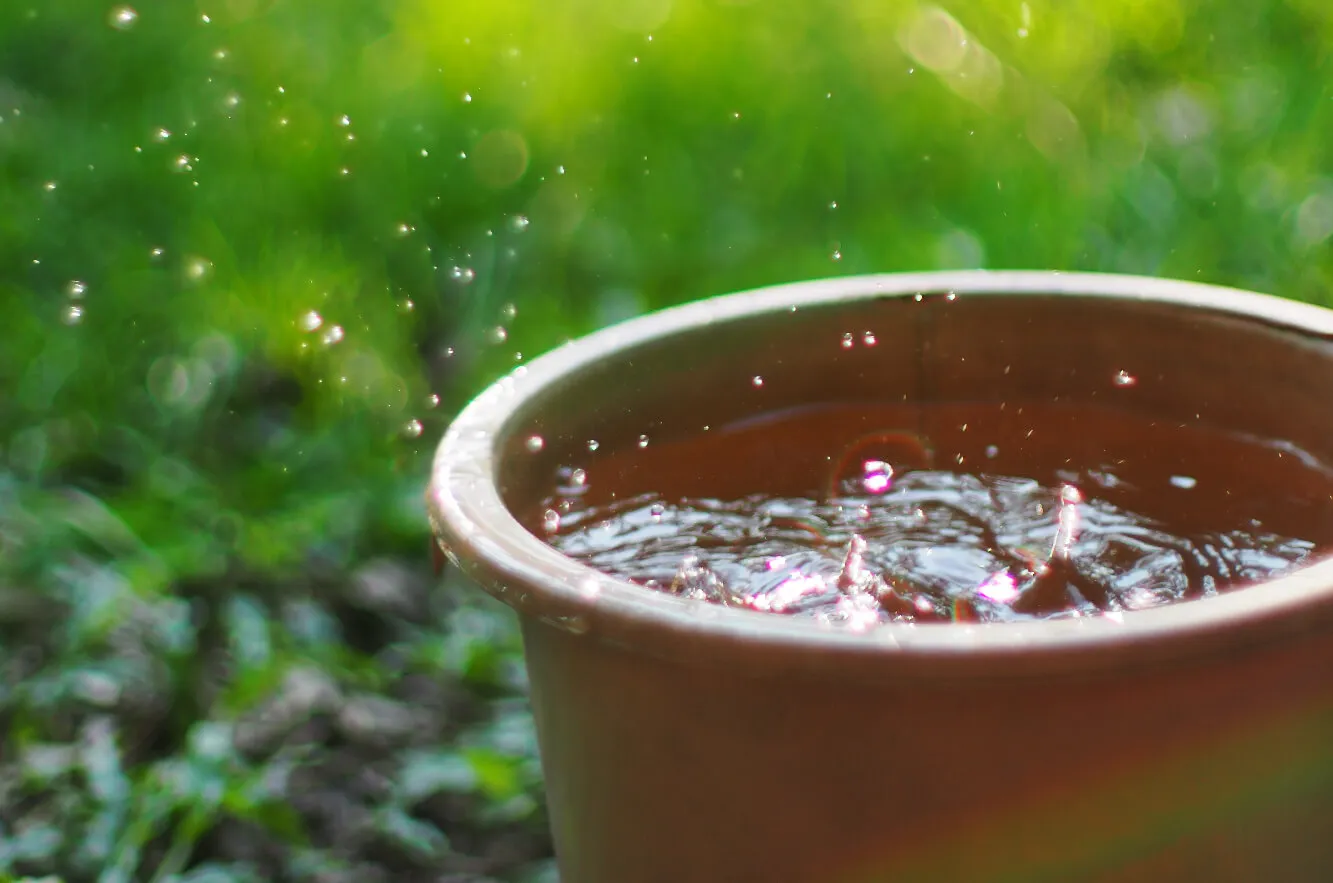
(686, 741)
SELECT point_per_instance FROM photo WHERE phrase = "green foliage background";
(253, 253)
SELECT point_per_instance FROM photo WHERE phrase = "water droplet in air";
(462, 275)
(76, 289)
(869, 338)
(49, 186)
(534, 443)
(196, 269)
(161, 135)
(992, 451)
(1124, 378)
(499, 334)
(344, 120)
(550, 521)
(833, 205)
(508, 312)
(311, 321)
(122, 18)
(656, 511)
(836, 256)
(593, 444)
(518, 223)
(413, 428)
(757, 380)
(877, 476)
(1184, 482)
(432, 401)
(848, 341)
(334, 335)
(73, 314)
(643, 441)
(467, 98)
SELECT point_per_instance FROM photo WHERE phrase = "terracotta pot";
(687, 742)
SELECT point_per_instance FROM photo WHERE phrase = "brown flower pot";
(689, 742)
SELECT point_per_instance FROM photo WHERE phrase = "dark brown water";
(974, 522)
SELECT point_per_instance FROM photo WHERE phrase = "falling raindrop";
(499, 334)
(508, 312)
(848, 341)
(837, 255)
(413, 428)
(73, 314)
(550, 521)
(869, 338)
(518, 223)
(76, 289)
(467, 98)
(432, 401)
(534, 443)
(161, 135)
(593, 444)
(1124, 379)
(643, 441)
(757, 380)
(49, 186)
(122, 18)
(462, 275)
(311, 321)
(334, 335)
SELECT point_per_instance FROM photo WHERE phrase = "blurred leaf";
(30, 843)
(212, 872)
(419, 837)
(497, 774)
(424, 773)
(248, 632)
(102, 764)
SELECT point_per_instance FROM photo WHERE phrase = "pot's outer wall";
(658, 773)
(681, 742)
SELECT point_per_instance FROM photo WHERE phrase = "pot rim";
(477, 531)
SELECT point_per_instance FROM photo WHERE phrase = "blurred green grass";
(253, 253)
